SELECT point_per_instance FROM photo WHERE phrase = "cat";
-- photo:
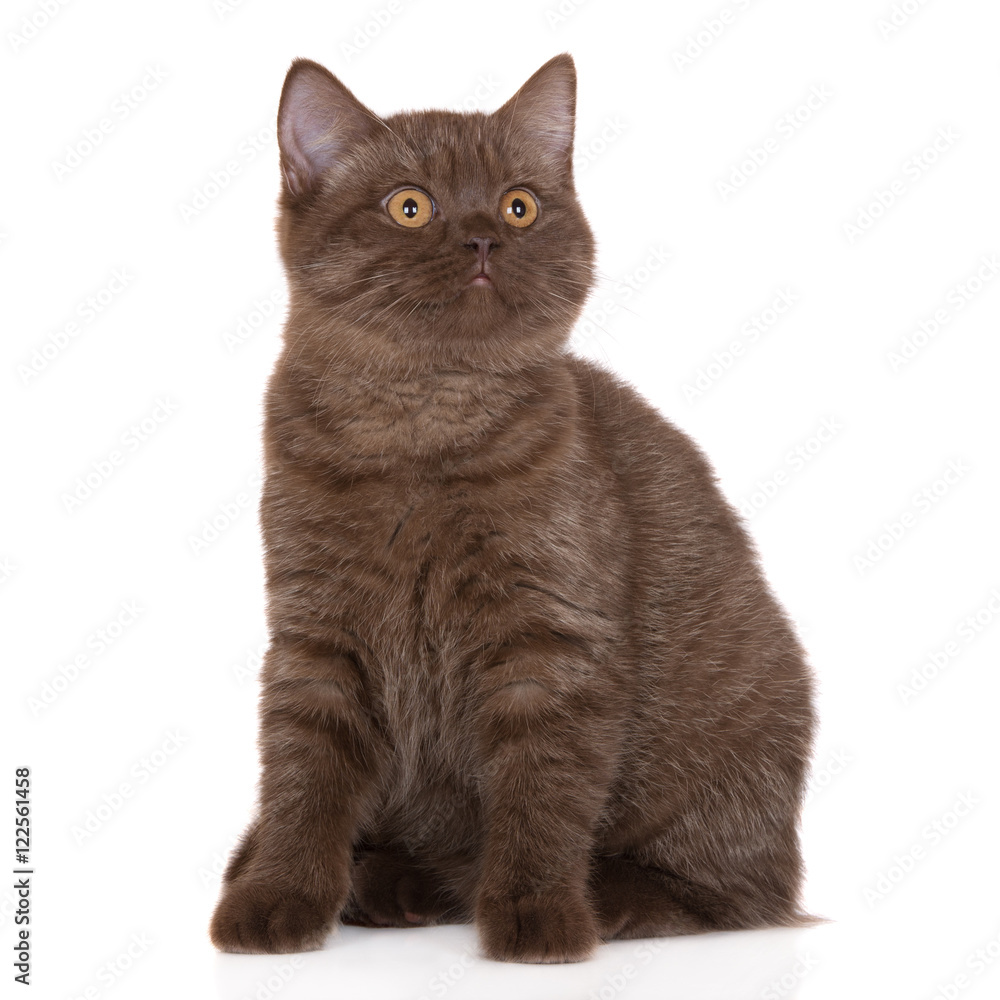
(524, 668)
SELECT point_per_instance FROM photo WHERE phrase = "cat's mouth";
(481, 278)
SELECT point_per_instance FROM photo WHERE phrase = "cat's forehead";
(461, 153)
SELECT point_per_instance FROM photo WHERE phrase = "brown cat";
(524, 667)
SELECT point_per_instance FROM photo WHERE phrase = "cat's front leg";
(290, 877)
(545, 734)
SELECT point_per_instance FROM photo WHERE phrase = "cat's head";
(434, 235)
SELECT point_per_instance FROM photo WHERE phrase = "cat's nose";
(482, 245)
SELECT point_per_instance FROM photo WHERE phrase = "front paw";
(544, 927)
(254, 918)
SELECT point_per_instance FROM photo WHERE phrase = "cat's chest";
(415, 559)
(430, 541)
(426, 415)
(428, 558)
(417, 541)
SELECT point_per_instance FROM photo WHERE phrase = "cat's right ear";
(543, 110)
(319, 119)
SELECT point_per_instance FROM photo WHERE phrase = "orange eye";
(410, 207)
(518, 208)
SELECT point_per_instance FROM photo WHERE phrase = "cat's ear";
(544, 110)
(319, 119)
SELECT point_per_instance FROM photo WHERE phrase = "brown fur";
(524, 667)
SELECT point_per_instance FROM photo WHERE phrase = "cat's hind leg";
(633, 900)
(391, 888)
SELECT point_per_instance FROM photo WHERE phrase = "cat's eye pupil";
(519, 208)
(410, 208)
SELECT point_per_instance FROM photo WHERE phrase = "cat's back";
(695, 579)
(669, 482)
(709, 647)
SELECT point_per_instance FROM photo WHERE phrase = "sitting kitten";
(524, 668)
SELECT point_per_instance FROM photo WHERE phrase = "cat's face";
(452, 237)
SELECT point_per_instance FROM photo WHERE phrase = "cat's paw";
(253, 918)
(546, 927)
(390, 889)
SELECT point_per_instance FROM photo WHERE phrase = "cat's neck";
(385, 408)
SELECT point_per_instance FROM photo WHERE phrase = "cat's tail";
(633, 900)
(800, 919)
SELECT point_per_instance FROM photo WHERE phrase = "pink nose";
(482, 245)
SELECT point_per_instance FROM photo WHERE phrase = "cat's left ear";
(544, 109)
(319, 120)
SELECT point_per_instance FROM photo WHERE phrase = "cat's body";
(524, 668)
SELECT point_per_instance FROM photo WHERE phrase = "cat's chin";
(478, 325)
(479, 289)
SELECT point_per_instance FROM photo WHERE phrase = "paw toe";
(539, 928)
(252, 919)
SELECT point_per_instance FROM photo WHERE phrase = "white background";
(165, 227)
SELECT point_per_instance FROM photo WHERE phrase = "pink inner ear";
(545, 108)
(318, 120)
